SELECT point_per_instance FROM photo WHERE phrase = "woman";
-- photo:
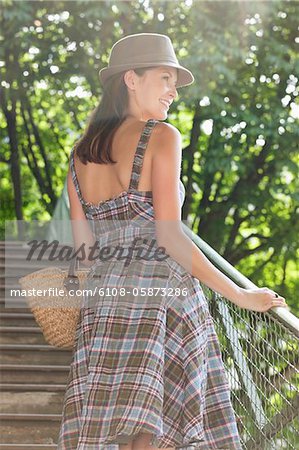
(147, 371)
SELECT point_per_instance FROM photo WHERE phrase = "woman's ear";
(130, 79)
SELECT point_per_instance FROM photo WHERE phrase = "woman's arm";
(166, 166)
(82, 234)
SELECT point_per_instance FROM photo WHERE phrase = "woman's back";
(100, 182)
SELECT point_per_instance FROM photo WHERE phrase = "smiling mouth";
(165, 103)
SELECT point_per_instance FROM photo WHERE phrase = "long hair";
(96, 141)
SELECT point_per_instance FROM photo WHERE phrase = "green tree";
(239, 120)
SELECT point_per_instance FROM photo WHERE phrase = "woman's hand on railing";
(260, 299)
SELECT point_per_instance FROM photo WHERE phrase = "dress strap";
(74, 176)
(139, 154)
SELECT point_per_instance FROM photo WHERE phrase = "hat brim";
(185, 77)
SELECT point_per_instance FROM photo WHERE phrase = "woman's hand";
(260, 299)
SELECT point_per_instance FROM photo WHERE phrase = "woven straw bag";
(57, 315)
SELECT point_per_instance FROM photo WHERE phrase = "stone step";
(21, 335)
(30, 429)
(27, 446)
(5, 308)
(18, 320)
(9, 278)
(17, 251)
(34, 354)
(24, 373)
(10, 243)
(25, 387)
(33, 373)
(18, 303)
(21, 246)
(37, 402)
(13, 270)
(17, 261)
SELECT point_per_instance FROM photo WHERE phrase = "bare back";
(100, 182)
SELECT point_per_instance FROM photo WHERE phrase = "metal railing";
(260, 352)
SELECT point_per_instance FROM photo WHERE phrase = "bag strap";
(71, 280)
(71, 272)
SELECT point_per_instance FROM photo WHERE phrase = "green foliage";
(239, 120)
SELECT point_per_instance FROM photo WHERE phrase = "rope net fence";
(261, 357)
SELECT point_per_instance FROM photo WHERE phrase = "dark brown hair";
(95, 143)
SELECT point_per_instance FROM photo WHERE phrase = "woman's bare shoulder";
(165, 135)
(164, 129)
(161, 130)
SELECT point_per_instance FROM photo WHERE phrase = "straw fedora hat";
(144, 50)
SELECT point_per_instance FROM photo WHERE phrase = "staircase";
(260, 352)
(33, 376)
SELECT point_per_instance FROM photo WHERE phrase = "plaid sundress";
(144, 365)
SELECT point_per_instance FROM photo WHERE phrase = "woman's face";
(151, 95)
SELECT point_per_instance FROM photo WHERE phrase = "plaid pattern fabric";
(144, 365)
